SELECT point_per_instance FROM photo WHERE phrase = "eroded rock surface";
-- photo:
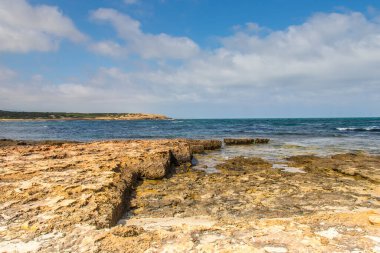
(245, 141)
(70, 197)
(252, 207)
(51, 189)
(199, 146)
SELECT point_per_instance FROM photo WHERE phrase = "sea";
(295, 136)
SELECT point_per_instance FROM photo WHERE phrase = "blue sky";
(191, 58)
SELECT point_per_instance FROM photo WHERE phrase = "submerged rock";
(245, 141)
(207, 144)
(261, 141)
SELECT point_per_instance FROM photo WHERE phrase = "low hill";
(11, 115)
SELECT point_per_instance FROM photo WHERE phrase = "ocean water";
(288, 136)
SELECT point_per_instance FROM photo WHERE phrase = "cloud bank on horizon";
(326, 65)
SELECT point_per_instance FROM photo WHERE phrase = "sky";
(192, 58)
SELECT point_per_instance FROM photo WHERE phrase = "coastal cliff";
(144, 196)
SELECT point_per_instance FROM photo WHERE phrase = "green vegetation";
(59, 115)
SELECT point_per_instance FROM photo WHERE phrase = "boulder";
(153, 166)
(197, 149)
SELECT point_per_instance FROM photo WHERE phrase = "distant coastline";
(58, 116)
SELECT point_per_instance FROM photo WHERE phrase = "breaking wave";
(359, 129)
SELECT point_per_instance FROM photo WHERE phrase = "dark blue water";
(192, 128)
(344, 134)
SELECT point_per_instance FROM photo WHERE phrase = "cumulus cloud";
(6, 74)
(146, 45)
(108, 48)
(110, 89)
(327, 48)
(331, 59)
(327, 64)
(25, 28)
(329, 56)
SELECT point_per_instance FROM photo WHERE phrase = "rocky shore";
(144, 196)
(53, 116)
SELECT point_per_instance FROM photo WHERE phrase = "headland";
(42, 116)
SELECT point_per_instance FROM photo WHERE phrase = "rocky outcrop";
(69, 197)
(249, 206)
(245, 141)
(51, 187)
(54, 185)
(358, 165)
(199, 146)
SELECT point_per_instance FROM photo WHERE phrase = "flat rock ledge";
(245, 141)
(57, 194)
(199, 146)
(73, 197)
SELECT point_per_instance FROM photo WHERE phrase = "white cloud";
(326, 51)
(108, 48)
(144, 44)
(329, 65)
(6, 74)
(331, 59)
(25, 28)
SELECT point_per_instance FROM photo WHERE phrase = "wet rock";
(240, 141)
(245, 164)
(245, 141)
(258, 208)
(197, 149)
(68, 197)
(358, 165)
(261, 141)
(207, 144)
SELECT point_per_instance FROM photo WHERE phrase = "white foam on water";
(287, 168)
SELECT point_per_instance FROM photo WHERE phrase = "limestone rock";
(197, 149)
(240, 141)
(374, 219)
(69, 197)
(207, 144)
(245, 141)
